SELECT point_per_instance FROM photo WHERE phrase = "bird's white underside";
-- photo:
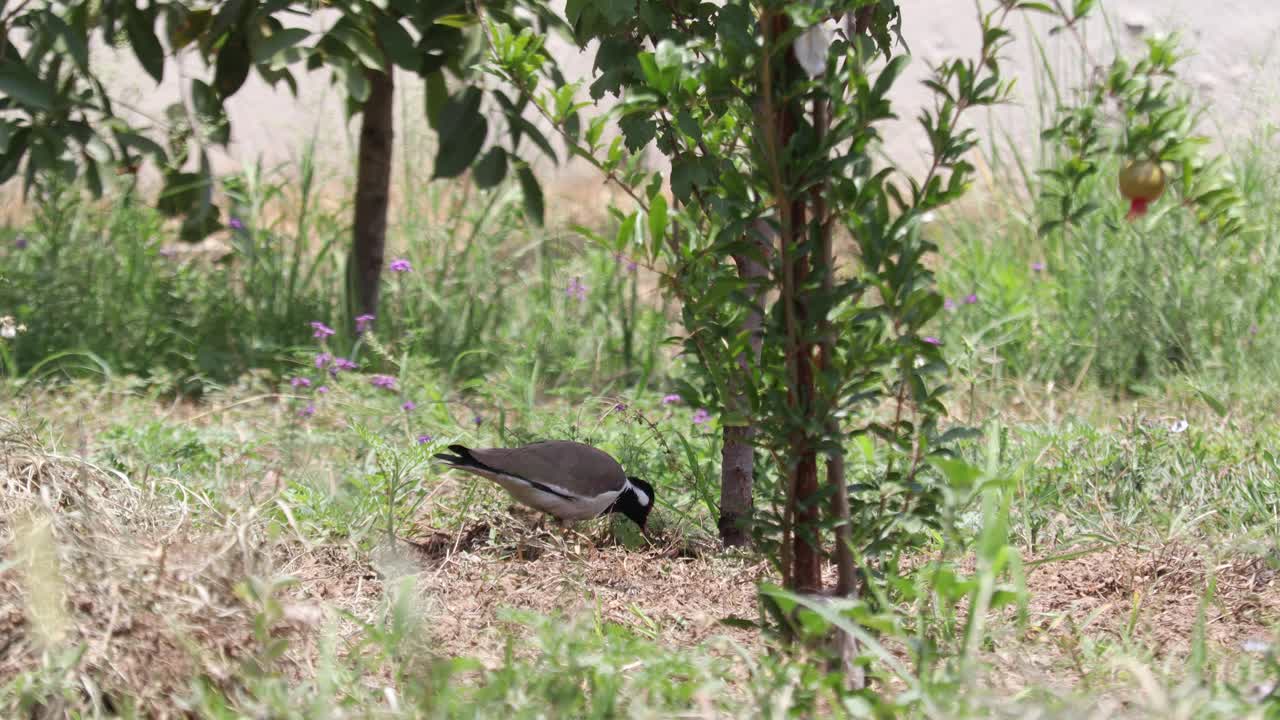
(572, 508)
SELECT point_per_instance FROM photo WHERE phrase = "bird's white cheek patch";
(644, 497)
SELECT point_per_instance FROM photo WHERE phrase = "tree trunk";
(845, 578)
(737, 476)
(373, 189)
(784, 118)
(737, 456)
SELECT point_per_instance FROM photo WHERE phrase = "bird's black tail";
(462, 459)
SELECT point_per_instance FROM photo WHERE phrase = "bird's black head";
(636, 501)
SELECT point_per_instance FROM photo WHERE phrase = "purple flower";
(931, 340)
(1037, 267)
(322, 390)
(971, 298)
(383, 381)
(576, 289)
(322, 331)
(620, 407)
(621, 259)
(340, 364)
(20, 243)
(236, 224)
(949, 304)
(424, 439)
(307, 411)
(700, 416)
(477, 420)
(300, 382)
(400, 265)
(409, 406)
(323, 359)
(670, 399)
(363, 322)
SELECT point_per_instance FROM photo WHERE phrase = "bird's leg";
(563, 528)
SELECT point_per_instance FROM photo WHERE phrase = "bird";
(567, 480)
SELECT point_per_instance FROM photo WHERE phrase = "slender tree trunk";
(737, 476)
(846, 583)
(805, 566)
(737, 467)
(373, 189)
(846, 577)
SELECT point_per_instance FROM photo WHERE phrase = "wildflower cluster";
(324, 361)
(334, 366)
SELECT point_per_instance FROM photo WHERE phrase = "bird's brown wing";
(580, 469)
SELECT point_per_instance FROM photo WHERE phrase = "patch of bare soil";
(674, 595)
(1156, 596)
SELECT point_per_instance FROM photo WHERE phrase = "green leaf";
(462, 130)
(358, 43)
(92, 177)
(12, 158)
(520, 126)
(358, 87)
(140, 27)
(491, 169)
(210, 112)
(278, 42)
(437, 95)
(185, 26)
(18, 82)
(73, 40)
(657, 219)
(397, 43)
(232, 67)
(534, 207)
(457, 20)
(960, 475)
(181, 193)
(1219, 407)
(889, 75)
(687, 173)
(459, 149)
(142, 144)
(616, 11)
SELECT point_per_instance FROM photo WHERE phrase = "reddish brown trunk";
(808, 542)
(845, 578)
(373, 191)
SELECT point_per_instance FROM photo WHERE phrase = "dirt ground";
(91, 556)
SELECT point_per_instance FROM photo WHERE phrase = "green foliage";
(102, 293)
(735, 181)
(60, 125)
(102, 284)
(1139, 110)
(1075, 302)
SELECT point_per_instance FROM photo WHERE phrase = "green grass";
(286, 506)
(103, 292)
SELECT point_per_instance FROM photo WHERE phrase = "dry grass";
(95, 559)
(154, 586)
(1155, 596)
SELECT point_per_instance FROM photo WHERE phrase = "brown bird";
(568, 480)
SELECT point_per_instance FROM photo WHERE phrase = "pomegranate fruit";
(1142, 182)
